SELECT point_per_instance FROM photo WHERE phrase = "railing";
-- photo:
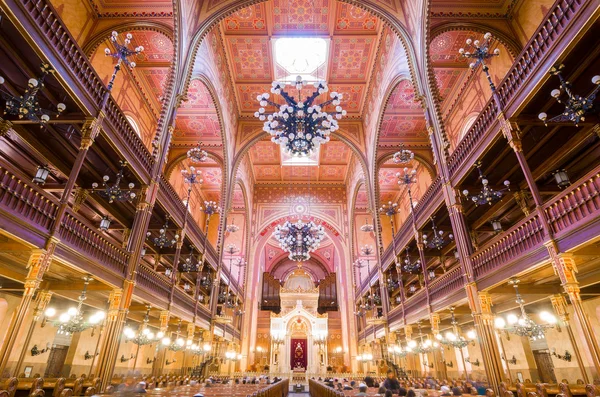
(171, 200)
(446, 284)
(528, 62)
(184, 301)
(83, 238)
(153, 282)
(427, 199)
(578, 203)
(26, 201)
(73, 57)
(522, 237)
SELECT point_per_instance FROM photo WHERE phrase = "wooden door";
(543, 360)
(56, 361)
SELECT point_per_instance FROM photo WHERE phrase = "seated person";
(391, 383)
(352, 383)
(388, 393)
(348, 387)
(362, 390)
(411, 393)
(140, 388)
(381, 390)
(370, 382)
(445, 390)
(402, 391)
(456, 391)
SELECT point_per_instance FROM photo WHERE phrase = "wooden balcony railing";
(577, 204)
(154, 282)
(446, 284)
(537, 51)
(507, 246)
(26, 201)
(184, 301)
(78, 234)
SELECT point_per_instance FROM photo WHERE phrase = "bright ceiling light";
(300, 56)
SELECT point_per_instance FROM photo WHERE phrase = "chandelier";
(232, 227)
(300, 126)
(390, 209)
(145, 336)
(114, 192)
(487, 194)
(367, 227)
(410, 266)
(122, 54)
(480, 53)
(453, 338)
(176, 345)
(299, 239)
(403, 156)
(320, 339)
(190, 264)
(27, 105)
(523, 325)
(576, 106)
(367, 250)
(197, 154)
(72, 321)
(162, 240)
(425, 345)
(210, 208)
(191, 177)
(437, 240)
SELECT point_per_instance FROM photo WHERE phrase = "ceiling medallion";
(300, 126)
(299, 239)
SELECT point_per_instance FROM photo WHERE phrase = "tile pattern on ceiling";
(403, 119)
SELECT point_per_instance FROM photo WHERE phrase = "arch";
(170, 167)
(509, 43)
(93, 42)
(428, 166)
(313, 261)
(134, 124)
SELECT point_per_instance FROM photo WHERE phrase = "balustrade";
(446, 284)
(156, 283)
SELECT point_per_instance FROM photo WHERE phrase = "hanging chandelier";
(410, 266)
(425, 345)
(122, 54)
(176, 345)
(299, 239)
(190, 264)
(453, 338)
(437, 240)
(367, 227)
(114, 192)
(197, 154)
(162, 240)
(210, 208)
(390, 209)
(300, 126)
(232, 227)
(72, 321)
(576, 106)
(403, 156)
(27, 105)
(367, 250)
(487, 194)
(144, 336)
(523, 325)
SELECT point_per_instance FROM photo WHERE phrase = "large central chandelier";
(300, 126)
(523, 325)
(299, 239)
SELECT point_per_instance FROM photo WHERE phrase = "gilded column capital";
(520, 197)
(165, 315)
(90, 130)
(434, 318)
(559, 304)
(191, 330)
(81, 195)
(408, 331)
(5, 126)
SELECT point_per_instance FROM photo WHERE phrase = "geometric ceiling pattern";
(197, 118)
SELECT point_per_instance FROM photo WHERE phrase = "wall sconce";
(88, 356)
(149, 361)
(36, 352)
(497, 226)
(104, 223)
(41, 174)
(566, 357)
(412, 288)
(431, 274)
(428, 365)
(475, 363)
(171, 362)
(512, 360)
(123, 359)
(448, 364)
(168, 272)
(562, 178)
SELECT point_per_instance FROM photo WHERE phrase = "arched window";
(133, 124)
(468, 124)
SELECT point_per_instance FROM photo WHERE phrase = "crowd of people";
(392, 386)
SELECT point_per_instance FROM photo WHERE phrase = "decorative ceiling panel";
(300, 16)
(153, 82)
(402, 99)
(265, 152)
(447, 80)
(332, 173)
(351, 58)
(353, 96)
(212, 177)
(247, 93)
(250, 58)
(444, 47)
(198, 99)
(301, 174)
(249, 20)
(200, 126)
(335, 152)
(361, 199)
(267, 172)
(353, 19)
(157, 46)
(402, 127)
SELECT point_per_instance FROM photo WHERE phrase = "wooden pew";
(570, 390)
(592, 390)
(522, 389)
(11, 386)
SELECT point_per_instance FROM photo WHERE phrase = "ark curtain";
(299, 353)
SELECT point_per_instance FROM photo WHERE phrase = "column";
(38, 263)
(481, 305)
(560, 308)
(439, 366)
(566, 269)
(161, 351)
(191, 330)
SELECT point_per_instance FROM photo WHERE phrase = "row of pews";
(562, 389)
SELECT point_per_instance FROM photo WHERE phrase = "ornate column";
(439, 366)
(175, 276)
(38, 263)
(42, 299)
(159, 359)
(484, 323)
(560, 308)
(191, 330)
(565, 268)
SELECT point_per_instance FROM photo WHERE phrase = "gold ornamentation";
(81, 195)
(521, 199)
(5, 126)
(126, 235)
(90, 130)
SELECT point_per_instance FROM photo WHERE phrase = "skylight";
(301, 56)
(312, 160)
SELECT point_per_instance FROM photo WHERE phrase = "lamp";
(576, 106)
(403, 156)
(299, 127)
(453, 338)
(197, 154)
(437, 240)
(496, 225)
(480, 52)
(26, 105)
(367, 227)
(487, 194)
(105, 223)
(562, 178)
(114, 192)
(41, 174)
(232, 227)
(162, 241)
(410, 266)
(299, 239)
(144, 336)
(122, 54)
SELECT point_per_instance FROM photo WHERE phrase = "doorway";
(56, 361)
(543, 361)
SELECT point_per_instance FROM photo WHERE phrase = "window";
(133, 124)
(303, 56)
